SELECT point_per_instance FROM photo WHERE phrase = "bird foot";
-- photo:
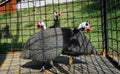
(44, 71)
(61, 54)
(55, 69)
(70, 62)
(66, 67)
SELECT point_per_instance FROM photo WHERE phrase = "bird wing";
(79, 44)
(45, 43)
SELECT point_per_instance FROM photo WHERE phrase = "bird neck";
(75, 31)
(56, 20)
(44, 26)
(81, 26)
(55, 16)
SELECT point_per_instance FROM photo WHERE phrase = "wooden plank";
(8, 7)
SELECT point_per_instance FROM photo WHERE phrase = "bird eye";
(86, 24)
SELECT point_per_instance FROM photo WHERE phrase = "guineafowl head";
(56, 19)
(56, 15)
(41, 25)
(85, 26)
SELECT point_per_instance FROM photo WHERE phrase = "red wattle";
(59, 13)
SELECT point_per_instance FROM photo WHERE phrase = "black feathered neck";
(76, 30)
(56, 20)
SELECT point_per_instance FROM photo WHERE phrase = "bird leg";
(44, 71)
(70, 62)
(52, 64)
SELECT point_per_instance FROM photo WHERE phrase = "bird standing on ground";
(75, 42)
(44, 46)
(58, 40)
(78, 43)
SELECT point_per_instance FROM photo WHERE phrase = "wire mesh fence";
(21, 24)
(18, 19)
(113, 21)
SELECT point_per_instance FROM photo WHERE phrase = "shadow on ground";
(2, 58)
(63, 60)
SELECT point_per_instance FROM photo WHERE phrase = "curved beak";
(89, 28)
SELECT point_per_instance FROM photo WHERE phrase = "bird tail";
(25, 54)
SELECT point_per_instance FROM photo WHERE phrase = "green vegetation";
(22, 23)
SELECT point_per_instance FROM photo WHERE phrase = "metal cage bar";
(18, 23)
(113, 32)
(104, 27)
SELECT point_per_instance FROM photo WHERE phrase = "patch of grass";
(8, 15)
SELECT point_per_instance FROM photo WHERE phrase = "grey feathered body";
(46, 45)
(79, 44)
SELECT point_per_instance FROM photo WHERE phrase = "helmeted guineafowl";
(79, 44)
(46, 45)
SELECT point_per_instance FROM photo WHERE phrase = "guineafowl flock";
(47, 44)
